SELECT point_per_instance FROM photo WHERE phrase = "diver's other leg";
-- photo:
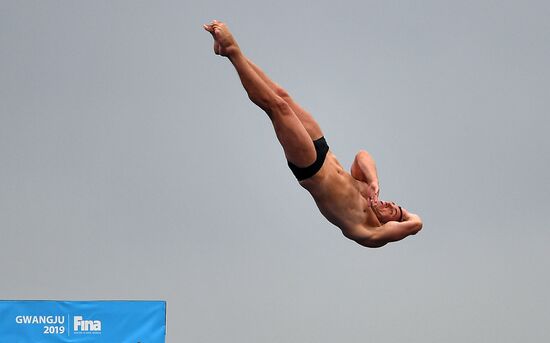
(311, 125)
(292, 135)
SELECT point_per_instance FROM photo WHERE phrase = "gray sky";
(133, 166)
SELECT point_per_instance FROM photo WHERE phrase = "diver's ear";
(406, 213)
(400, 214)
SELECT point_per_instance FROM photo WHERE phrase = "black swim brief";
(321, 148)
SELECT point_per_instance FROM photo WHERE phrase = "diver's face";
(387, 211)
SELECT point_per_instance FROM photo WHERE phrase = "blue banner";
(30, 321)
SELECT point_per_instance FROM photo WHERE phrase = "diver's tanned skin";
(348, 200)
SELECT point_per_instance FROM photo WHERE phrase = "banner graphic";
(45, 321)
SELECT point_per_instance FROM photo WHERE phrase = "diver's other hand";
(371, 192)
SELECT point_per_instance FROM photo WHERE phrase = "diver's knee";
(280, 91)
(278, 106)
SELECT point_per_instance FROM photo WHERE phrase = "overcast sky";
(133, 166)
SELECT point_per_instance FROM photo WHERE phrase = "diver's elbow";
(416, 229)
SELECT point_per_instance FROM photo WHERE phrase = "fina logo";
(88, 326)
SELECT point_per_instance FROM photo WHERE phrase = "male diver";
(348, 200)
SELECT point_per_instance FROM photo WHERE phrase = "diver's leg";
(292, 135)
(311, 125)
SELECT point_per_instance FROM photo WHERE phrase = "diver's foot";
(224, 43)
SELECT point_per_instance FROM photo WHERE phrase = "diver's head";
(388, 211)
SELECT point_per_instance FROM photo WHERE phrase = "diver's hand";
(411, 217)
(370, 191)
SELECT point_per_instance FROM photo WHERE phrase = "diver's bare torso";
(338, 196)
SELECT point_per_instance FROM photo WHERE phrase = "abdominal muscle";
(337, 195)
